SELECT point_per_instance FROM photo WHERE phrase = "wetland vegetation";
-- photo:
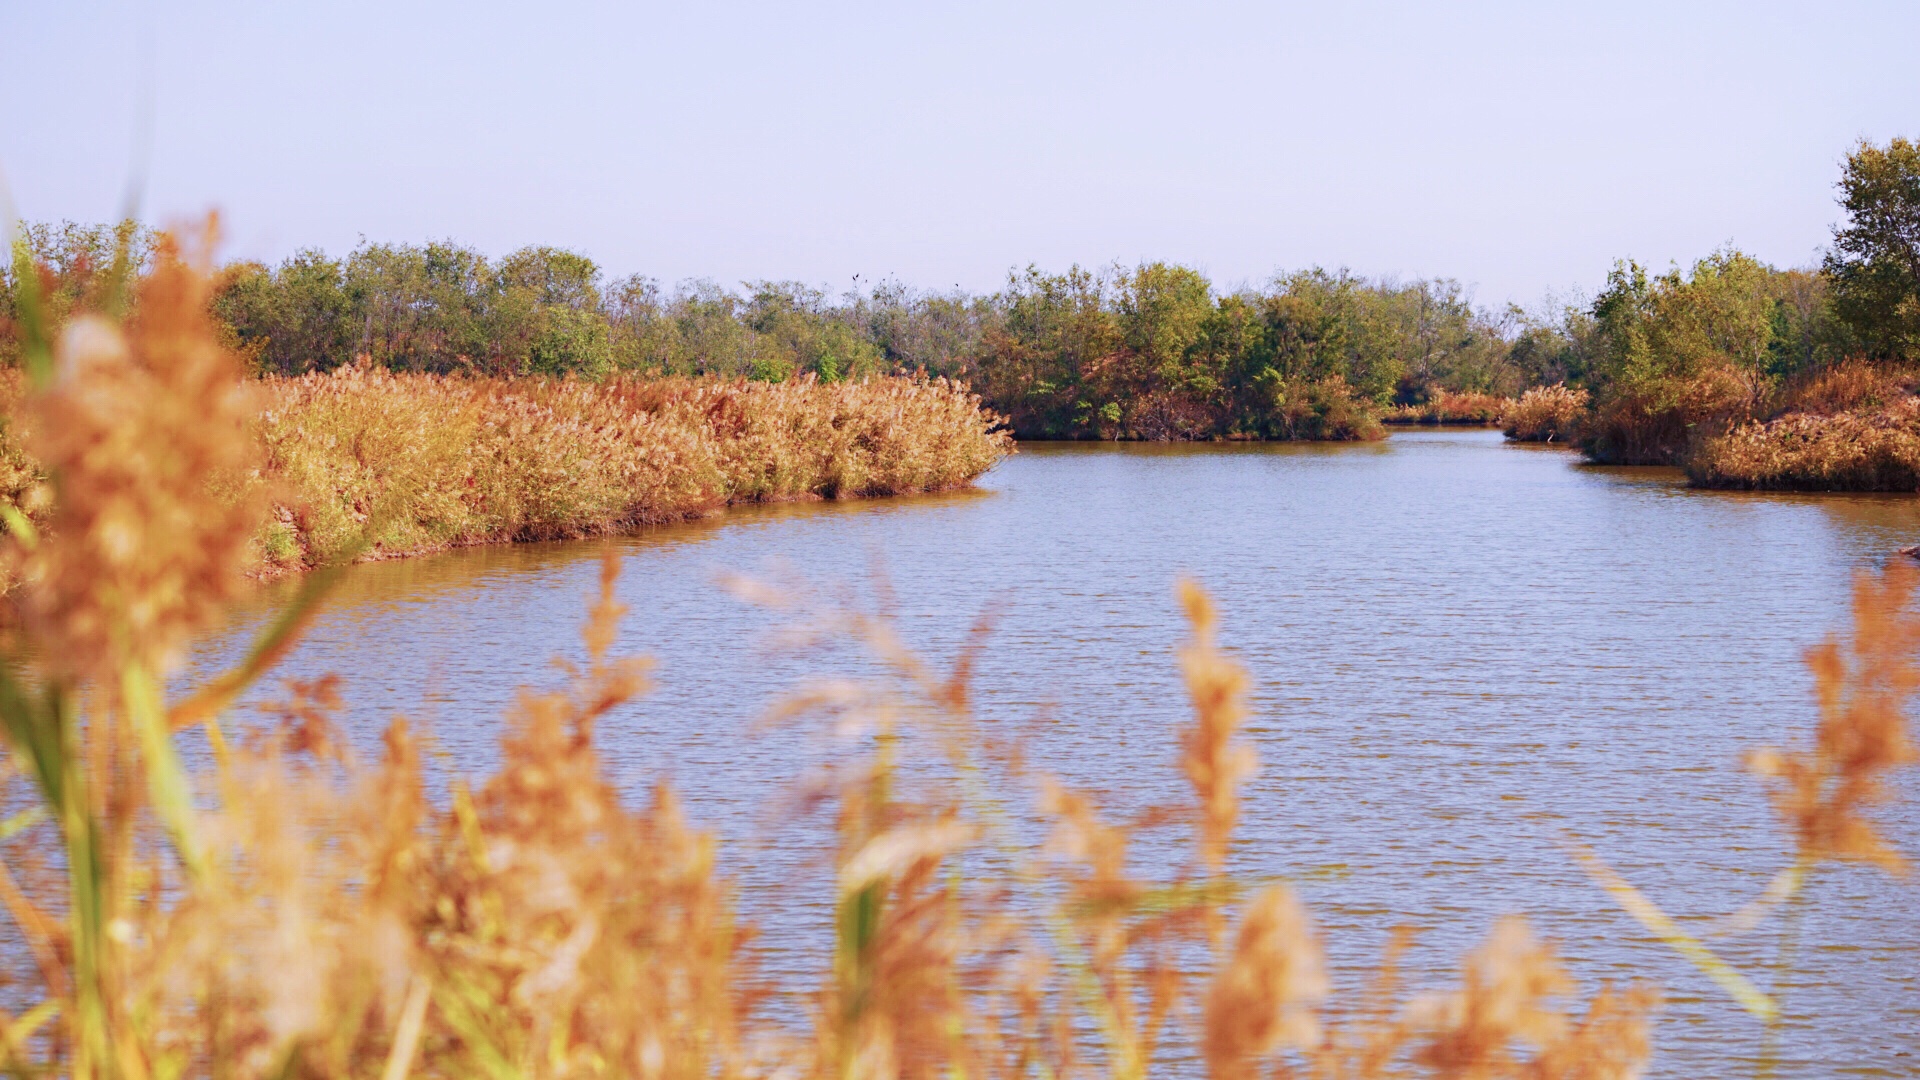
(1745, 374)
(291, 909)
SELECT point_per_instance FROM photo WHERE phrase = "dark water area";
(1462, 650)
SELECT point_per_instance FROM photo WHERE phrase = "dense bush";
(1156, 353)
(1682, 356)
(1854, 426)
(1864, 450)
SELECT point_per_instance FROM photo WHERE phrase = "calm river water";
(1460, 649)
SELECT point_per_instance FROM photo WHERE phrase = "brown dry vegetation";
(1447, 407)
(1868, 451)
(418, 462)
(295, 912)
(1659, 422)
(365, 461)
(1852, 427)
(1546, 414)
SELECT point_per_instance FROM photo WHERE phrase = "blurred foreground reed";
(296, 912)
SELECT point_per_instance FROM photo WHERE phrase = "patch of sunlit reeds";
(406, 463)
(1453, 407)
(1850, 427)
(1546, 414)
(364, 462)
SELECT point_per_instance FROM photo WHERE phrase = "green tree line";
(1152, 351)
(1673, 357)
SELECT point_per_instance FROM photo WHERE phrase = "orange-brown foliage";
(1658, 422)
(1547, 414)
(1850, 427)
(1449, 407)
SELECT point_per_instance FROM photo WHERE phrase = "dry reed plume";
(1453, 407)
(1546, 414)
(306, 914)
(1863, 686)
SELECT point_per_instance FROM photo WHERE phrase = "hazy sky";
(1516, 147)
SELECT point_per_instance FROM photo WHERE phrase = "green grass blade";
(30, 728)
(463, 1010)
(20, 526)
(1636, 904)
(167, 782)
(22, 821)
(280, 636)
(21, 1029)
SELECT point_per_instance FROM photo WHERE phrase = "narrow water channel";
(1461, 649)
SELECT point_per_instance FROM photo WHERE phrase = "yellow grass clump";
(1546, 414)
(1864, 451)
(1850, 427)
(1450, 407)
(409, 463)
(296, 912)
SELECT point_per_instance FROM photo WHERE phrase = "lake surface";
(1460, 649)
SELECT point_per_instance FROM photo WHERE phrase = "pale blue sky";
(1517, 147)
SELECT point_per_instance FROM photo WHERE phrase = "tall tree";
(1875, 261)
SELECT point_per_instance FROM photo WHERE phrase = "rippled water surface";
(1460, 648)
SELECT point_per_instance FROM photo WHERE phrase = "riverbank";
(1861, 450)
(1852, 426)
(371, 464)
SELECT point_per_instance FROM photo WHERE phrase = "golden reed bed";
(293, 911)
(367, 462)
(419, 462)
(1470, 409)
